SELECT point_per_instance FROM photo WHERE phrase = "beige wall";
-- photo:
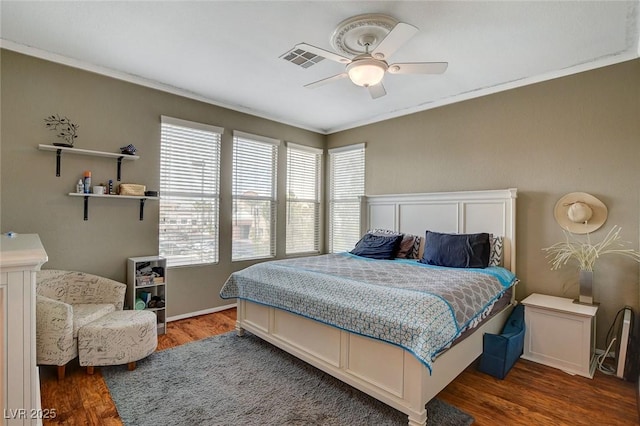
(111, 113)
(578, 133)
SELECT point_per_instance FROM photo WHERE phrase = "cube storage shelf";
(143, 285)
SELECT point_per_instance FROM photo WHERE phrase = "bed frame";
(382, 370)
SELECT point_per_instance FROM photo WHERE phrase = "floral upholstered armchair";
(66, 301)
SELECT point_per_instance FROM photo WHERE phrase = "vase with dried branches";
(585, 252)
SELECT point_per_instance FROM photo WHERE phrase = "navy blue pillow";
(378, 246)
(456, 250)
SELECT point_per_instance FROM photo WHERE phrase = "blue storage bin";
(501, 351)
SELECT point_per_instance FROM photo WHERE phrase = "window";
(189, 192)
(254, 196)
(303, 199)
(346, 185)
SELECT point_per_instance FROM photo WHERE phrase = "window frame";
(354, 201)
(212, 196)
(293, 148)
(239, 136)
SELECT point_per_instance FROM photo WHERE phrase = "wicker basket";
(131, 189)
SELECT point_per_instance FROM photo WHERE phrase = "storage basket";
(131, 189)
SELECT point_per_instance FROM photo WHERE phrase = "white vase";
(586, 287)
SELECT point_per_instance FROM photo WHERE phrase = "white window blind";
(346, 184)
(189, 192)
(303, 199)
(254, 196)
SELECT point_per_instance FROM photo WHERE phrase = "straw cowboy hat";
(580, 213)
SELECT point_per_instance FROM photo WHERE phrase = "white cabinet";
(560, 333)
(20, 258)
(146, 287)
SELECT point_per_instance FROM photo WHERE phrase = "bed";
(404, 369)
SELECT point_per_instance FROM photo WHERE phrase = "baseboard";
(203, 312)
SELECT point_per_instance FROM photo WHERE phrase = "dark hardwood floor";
(531, 394)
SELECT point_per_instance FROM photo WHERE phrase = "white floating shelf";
(70, 150)
(141, 198)
(131, 197)
(79, 151)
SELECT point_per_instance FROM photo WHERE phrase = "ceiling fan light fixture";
(366, 72)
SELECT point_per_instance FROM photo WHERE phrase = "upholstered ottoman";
(120, 337)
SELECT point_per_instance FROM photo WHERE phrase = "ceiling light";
(366, 72)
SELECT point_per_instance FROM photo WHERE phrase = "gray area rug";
(231, 380)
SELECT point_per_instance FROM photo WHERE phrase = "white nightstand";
(560, 333)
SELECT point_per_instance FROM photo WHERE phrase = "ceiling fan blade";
(399, 35)
(418, 68)
(324, 53)
(326, 80)
(377, 91)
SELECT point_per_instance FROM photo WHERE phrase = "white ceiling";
(228, 52)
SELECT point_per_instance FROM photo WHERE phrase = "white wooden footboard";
(384, 371)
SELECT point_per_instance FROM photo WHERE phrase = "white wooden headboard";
(462, 212)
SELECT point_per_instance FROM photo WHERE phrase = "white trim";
(635, 37)
(119, 75)
(164, 119)
(144, 82)
(251, 136)
(346, 148)
(299, 147)
(446, 196)
(202, 312)
(486, 91)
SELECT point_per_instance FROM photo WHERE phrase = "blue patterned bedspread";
(418, 307)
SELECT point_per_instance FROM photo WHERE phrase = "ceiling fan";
(372, 38)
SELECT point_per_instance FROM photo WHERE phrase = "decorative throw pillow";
(409, 246)
(495, 255)
(456, 250)
(378, 246)
(383, 232)
(414, 246)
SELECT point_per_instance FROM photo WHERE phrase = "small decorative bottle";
(80, 187)
(87, 182)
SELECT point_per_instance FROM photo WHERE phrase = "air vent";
(302, 58)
